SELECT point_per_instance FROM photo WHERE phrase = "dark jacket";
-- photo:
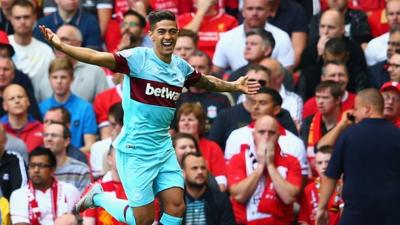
(13, 173)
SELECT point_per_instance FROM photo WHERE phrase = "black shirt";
(13, 173)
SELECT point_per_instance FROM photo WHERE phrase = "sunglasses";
(261, 82)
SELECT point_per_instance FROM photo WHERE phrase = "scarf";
(33, 206)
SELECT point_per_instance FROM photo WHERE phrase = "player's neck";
(164, 58)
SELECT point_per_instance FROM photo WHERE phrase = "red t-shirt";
(176, 6)
(309, 203)
(214, 157)
(378, 22)
(366, 5)
(210, 29)
(310, 107)
(286, 164)
(102, 103)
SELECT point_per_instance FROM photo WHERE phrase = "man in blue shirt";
(146, 160)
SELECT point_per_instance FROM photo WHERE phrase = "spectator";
(191, 120)
(391, 102)
(377, 47)
(240, 115)
(309, 201)
(204, 203)
(127, 33)
(83, 123)
(100, 148)
(378, 22)
(260, 194)
(5, 15)
(291, 17)
(208, 22)
(393, 67)
(212, 103)
(70, 13)
(56, 138)
(355, 23)
(61, 115)
(230, 47)
(334, 71)
(17, 121)
(267, 102)
(378, 73)
(69, 219)
(186, 44)
(328, 97)
(84, 86)
(32, 203)
(32, 55)
(362, 140)
(13, 171)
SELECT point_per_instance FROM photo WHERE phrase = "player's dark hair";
(195, 108)
(334, 88)
(39, 151)
(179, 136)
(142, 20)
(159, 15)
(276, 97)
(117, 113)
(186, 155)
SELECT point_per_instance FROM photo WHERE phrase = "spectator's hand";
(125, 41)
(347, 118)
(321, 44)
(204, 5)
(270, 150)
(261, 151)
(51, 37)
(248, 87)
(321, 217)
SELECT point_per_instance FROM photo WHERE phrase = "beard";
(196, 185)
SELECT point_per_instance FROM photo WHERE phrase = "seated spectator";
(128, 32)
(103, 102)
(310, 199)
(111, 183)
(334, 71)
(186, 44)
(212, 102)
(204, 203)
(32, 203)
(291, 17)
(376, 49)
(208, 22)
(240, 115)
(355, 22)
(17, 121)
(328, 96)
(61, 115)
(267, 102)
(56, 138)
(191, 120)
(391, 102)
(100, 148)
(83, 123)
(230, 47)
(13, 171)
(260, 194)
(89, 80)
(70, 13)
(379, 73)
(5, 14)
(32, 55)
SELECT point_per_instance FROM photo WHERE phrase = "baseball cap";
(4, 41)
(393, 85)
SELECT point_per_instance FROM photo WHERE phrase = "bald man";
(89, 80)
(367, 155)
(17, 121)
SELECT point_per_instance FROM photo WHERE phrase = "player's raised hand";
(247, 86)
(51, 37)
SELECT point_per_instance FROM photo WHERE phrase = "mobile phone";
(351, 117)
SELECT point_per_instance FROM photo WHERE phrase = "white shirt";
(19, 203)
(377, 49)
(229, 51)
(292, 103)
(97, 154)
(289, 144)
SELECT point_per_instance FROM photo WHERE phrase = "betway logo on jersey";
(163, 92)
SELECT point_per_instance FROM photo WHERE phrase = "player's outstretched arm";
(86, 55)
(242, 84)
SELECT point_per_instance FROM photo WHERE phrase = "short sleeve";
(294, 175)
(129, 61)
(236, 169)
(191, 75)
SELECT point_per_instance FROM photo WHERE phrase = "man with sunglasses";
(44, 198)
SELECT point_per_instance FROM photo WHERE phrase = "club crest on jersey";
(163, 92)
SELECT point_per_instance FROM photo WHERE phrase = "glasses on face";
(53, 135)
(39, 165)
(394, 65)
(388, 97)
(261, 82)
(129, 24)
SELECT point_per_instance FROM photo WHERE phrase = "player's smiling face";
(164, 38)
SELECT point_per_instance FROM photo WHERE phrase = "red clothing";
(176, 6)
(214, 157)
(309, 203)
(210, 29)
(310, 107)
(31, 133)
(378, 22)
(103, 102)
(366, 5)
(101, 216)
(287, 165)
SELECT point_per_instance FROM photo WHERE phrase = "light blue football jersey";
(150, 92)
